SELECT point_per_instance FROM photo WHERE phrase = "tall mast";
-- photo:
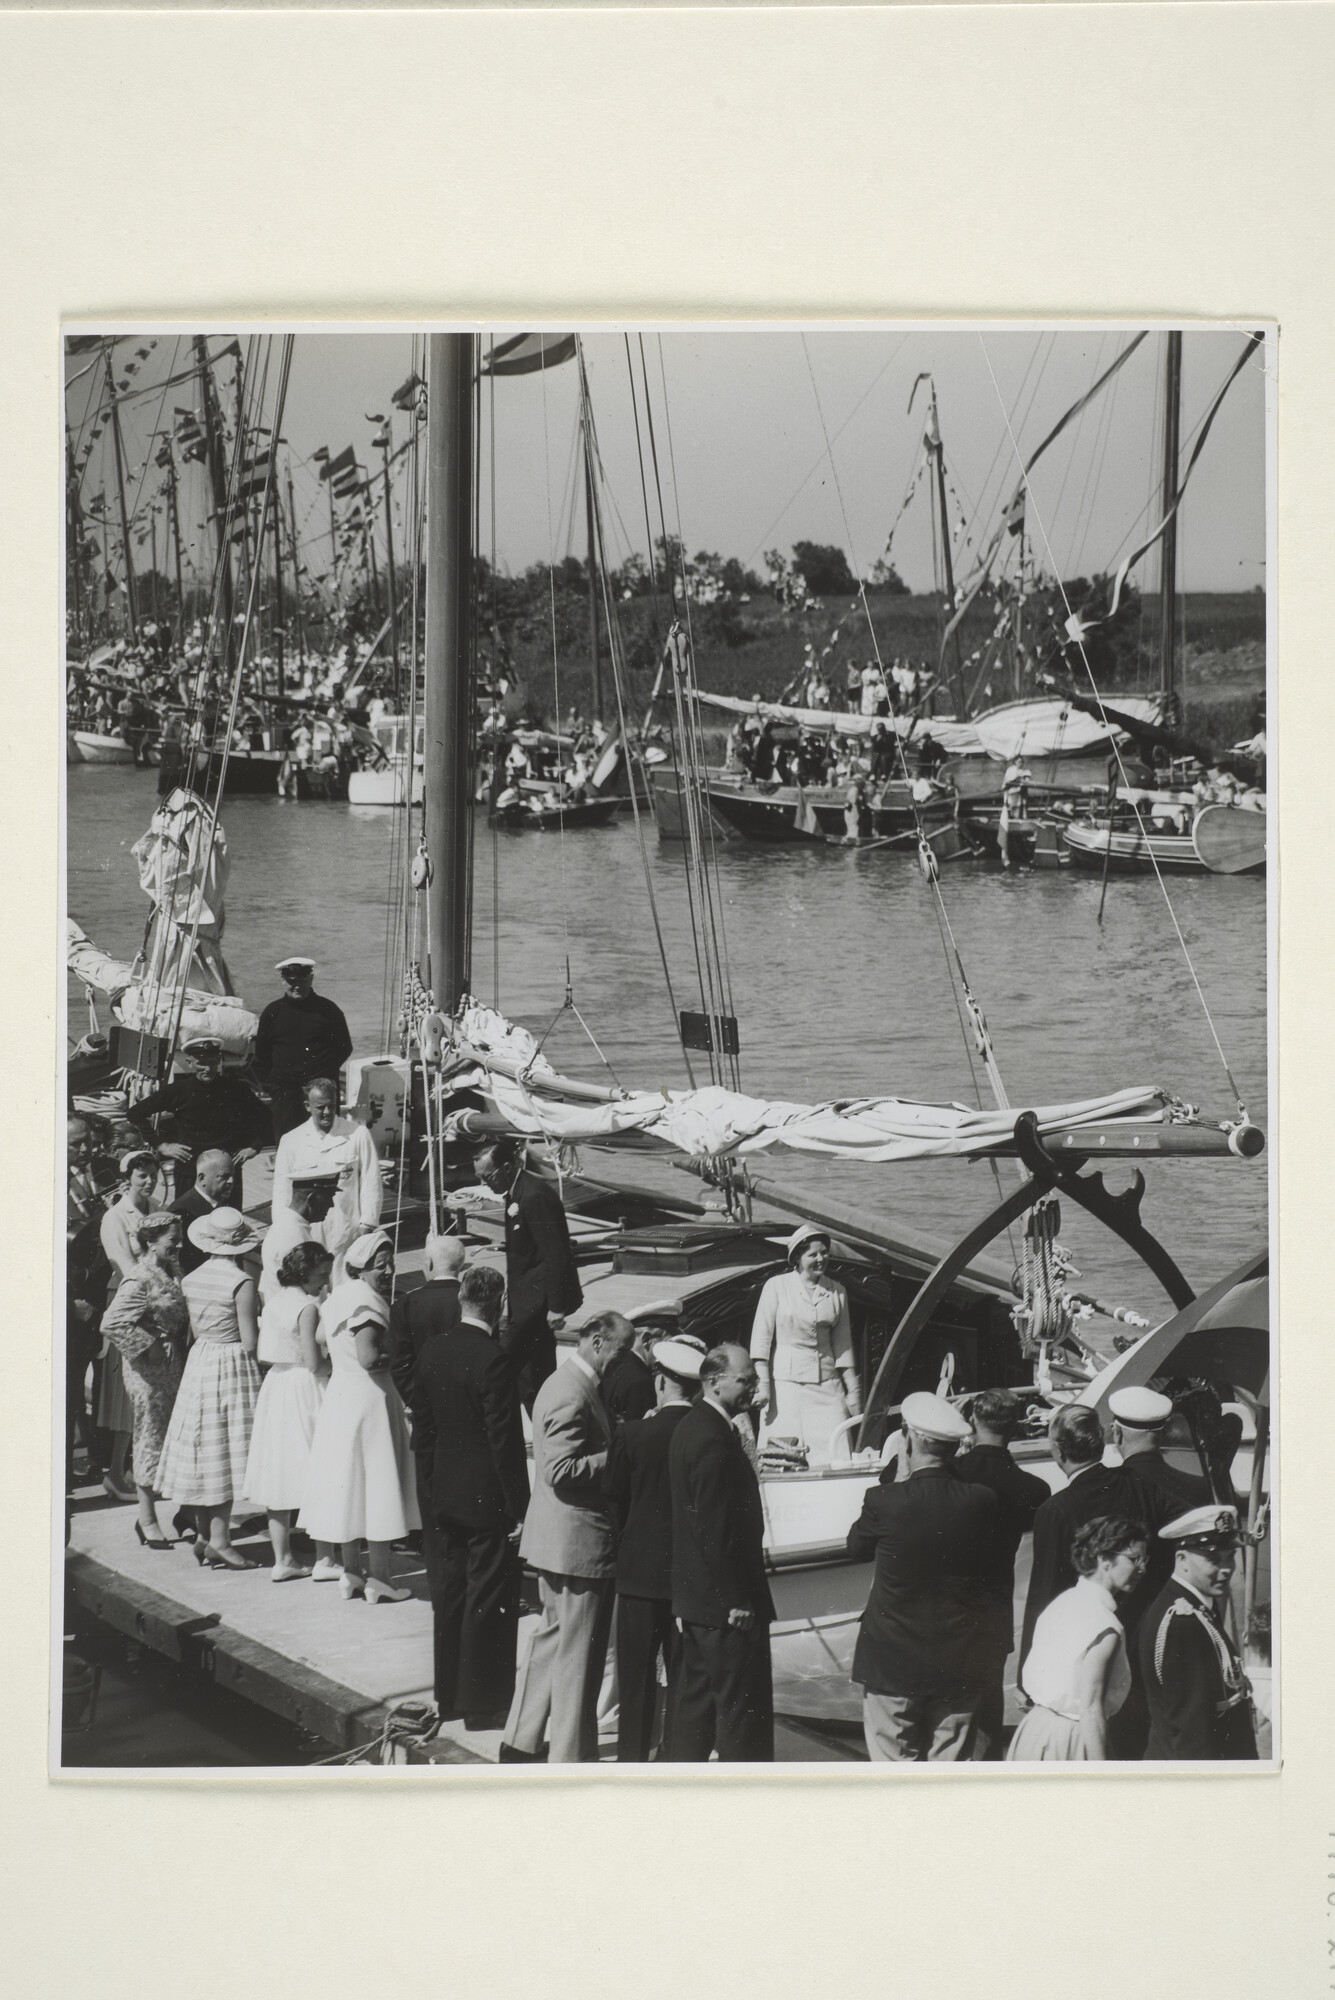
(296, 565)
(176, 541)
(1172, 423)
(74, 536)
(389, 551)
(218, 482)
(938, 453)
(120, 493)
(448, 658)
(277, 567)
(595, 654)
(153, 573)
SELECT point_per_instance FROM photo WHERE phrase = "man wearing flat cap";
(203, 1110)
(301, 1035)
(922, 1653)
(1199, 1698)
(639, 1486)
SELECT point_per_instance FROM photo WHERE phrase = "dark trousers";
(724, 1698)
(82, 1338)
(289, 1108)
(530, 1346)
(474, 1577)
(645, 1628)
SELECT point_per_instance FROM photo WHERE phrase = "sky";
(767, 437)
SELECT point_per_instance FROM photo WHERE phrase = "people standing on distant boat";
(203, 1109)
(762, 753)
(121, 1246)
(733, 752)
(289, 1404)
(919, 1658)
(1199, 1697)
(204, 1452)
(360, 1484)
(930, 755)
(468, 1441)
(542, 1283)
(853, 687)
(147, 1323)
(802, 1345)
(1014, 806)
(301, 1036)
(327, 1144)
(1077, 1675)
(883, 752)
(995, 1417)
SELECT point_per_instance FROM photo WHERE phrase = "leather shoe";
(509, 1755)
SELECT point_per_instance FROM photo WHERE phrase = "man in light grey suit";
(569, 1540)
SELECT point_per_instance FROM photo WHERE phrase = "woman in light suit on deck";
(802, 1345)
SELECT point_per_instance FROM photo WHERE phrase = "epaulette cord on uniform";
(1176, 1608)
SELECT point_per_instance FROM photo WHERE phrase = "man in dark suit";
(1150, 1491)
(1198, 1695)
(995, 1416)
(542, 1284)
(921, 1650)
(204, 1110)
(628, 1388)
(212, 1189)
(469, 1442)
(1075, 1439)
(639, 1487)
(725, 1696)
(433, 1308)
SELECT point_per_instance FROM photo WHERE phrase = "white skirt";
(811, 1412)
(361, 1479)
(280, 1443)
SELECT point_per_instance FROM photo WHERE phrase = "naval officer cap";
(933, 1417)
(678, 1358)
(295, 964)
(1203, 1526)
(315, 1180)
(202, 1045)
(1141, 1409)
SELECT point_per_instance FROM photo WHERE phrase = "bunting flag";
(232, 347)
(527, 352)
(966, 592)
(405, 396)
(321, 452)
(333, 467)
(348, 483)
(1129, 563)
(254, 476)
(163, 455)
(189, 435)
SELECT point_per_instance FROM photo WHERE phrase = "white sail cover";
(136, 1006)
(501, 1061)
(1052, 728)
(957, 739)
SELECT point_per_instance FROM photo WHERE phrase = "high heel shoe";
(150, 1541)
(228, 1558)
(384, 1593)
(115, 1491)
(349, 1586)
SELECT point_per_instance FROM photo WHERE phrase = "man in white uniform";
(328, 1144)
(305, 1221)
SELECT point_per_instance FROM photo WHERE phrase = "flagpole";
(296, 566)
(218, 483)
(176, 538)
(120, 494)
(389, 550)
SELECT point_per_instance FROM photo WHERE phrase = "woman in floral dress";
(147, 1324)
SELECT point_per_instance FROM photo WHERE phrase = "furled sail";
(957, 739)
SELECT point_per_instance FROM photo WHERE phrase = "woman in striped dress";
(203, 1463)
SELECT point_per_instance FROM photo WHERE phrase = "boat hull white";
(87, 746)
(386, 787)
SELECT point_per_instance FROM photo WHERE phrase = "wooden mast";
(938, 453)
(176, 545)
(120, 493)
(448, 660)
(1172, 424)
(218, 482)
(595, 652)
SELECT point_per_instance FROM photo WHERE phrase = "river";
(839, 980)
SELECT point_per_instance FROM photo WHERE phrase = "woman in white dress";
(289, 1404)
(1077, 1673)
(119, 1231)
(360, 1483)
(802, 1345)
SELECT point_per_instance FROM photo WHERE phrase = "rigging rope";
(1117, 752)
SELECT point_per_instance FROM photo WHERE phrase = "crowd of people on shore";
(240, 1373)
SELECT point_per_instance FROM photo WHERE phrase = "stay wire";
(1126, 783)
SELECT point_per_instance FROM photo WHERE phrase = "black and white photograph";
(666, 947)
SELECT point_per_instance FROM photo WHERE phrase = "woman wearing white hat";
(360, 1482)
(203, 1463)
(119, 1231)
(802, 1345)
